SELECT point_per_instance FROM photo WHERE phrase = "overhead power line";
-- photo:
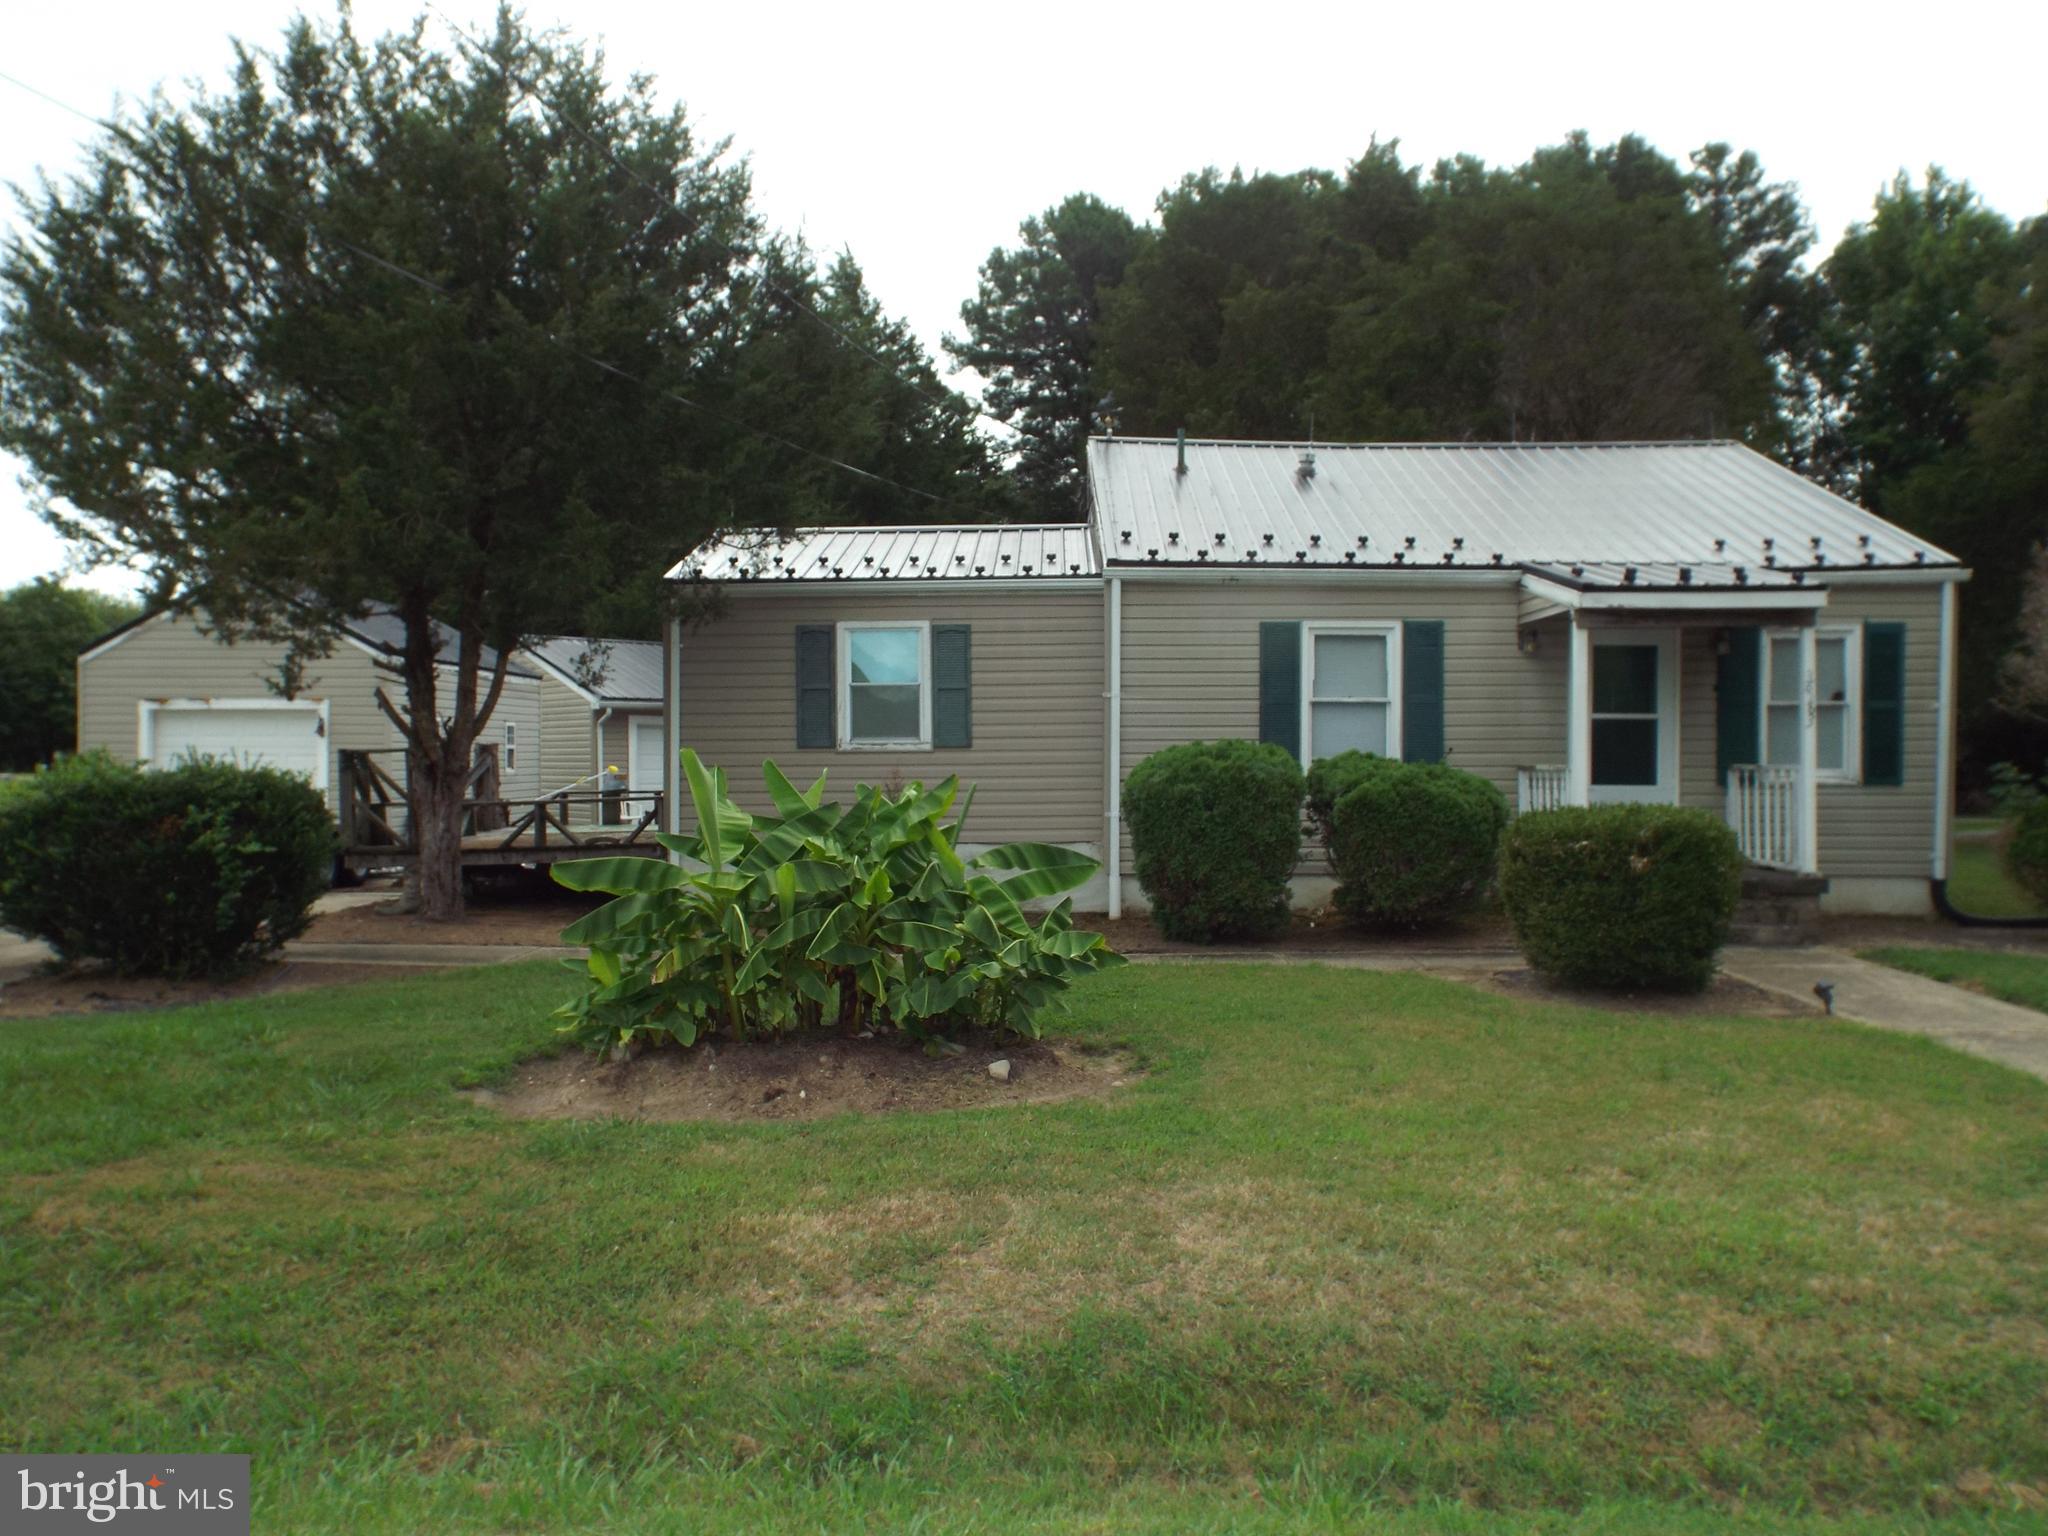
(398, 270)
(528, 92)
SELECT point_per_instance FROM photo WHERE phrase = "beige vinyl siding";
(1037, 758)
(172, 658)
(1191, 664)
(1699, 666)
(518, 705)
(567, 724)
(1871, 830)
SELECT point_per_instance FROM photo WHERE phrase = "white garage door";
(252, 732)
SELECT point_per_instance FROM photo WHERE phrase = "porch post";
(1578, 717)
(672, 729)
(1809, 749)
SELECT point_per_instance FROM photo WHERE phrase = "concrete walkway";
(1900, 1001)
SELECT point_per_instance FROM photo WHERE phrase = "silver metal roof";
(1666, 576)
(991, 552)
(617, 671)
(1474, 505)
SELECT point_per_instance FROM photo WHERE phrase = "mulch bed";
(1724, 996)
(804, 1079)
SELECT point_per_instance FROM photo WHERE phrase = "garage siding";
(171, 657)
(566, 733)
(1037, 757)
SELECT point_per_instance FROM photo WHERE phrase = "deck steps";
(1777, 907)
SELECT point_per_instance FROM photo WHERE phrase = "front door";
(643, 766)
(1635, 718)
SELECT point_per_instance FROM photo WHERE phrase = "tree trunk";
(437, 791)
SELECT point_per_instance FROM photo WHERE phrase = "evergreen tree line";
(1590, 293)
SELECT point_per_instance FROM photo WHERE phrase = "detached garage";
(162, 688)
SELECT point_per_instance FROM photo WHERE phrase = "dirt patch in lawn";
(1724, 997)
(56, 994)
(528, 909)
(804, 1079)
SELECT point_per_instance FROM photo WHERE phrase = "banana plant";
(863, 916)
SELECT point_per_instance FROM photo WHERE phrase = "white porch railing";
(1764, 809)
(1539, 787)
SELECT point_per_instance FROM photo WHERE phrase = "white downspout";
(672, 730)
(597, 742)
(1113, 859)
(1945, 733)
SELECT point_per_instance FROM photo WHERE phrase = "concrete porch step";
(1778, 907)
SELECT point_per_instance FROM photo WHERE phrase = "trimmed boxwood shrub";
(1622, 895)
(2026, 850)
(1215, 832)
(1410, 843)
(194, 871)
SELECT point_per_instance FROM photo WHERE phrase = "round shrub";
(1622, 895)
(194, 871)
(1215, 832)
(1410, 843)
(2026, 849)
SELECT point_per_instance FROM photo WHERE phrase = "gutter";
(1113, 851)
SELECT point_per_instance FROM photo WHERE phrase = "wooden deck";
(376, 820)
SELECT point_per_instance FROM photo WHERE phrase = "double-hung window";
(1349, 697)
(885, 696)
(1837, 662)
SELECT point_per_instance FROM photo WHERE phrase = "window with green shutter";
(1884, 703)
(814, 662)
(952, 685)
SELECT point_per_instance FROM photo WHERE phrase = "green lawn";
(2021, 979)
(1363, 1251)
(1978, 884)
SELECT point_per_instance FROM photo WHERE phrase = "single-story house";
(163, 687)
(1687, 622)
(600, 709)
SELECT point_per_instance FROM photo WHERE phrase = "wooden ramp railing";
(376, 817)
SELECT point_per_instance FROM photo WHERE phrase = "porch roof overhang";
(1667, 589)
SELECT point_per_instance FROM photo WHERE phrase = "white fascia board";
(891, 587)
(555, 674)
(1349, 575)
(1717, 599)
(1895, 576)
(127, 634)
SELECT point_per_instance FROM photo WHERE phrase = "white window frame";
(147, 710)
(511, 745)
(1388, 630)
(1851, 771)
(843, 649)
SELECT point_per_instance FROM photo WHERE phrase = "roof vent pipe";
(1306, 469)
(1180, 451)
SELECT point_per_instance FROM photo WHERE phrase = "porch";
(1705, 688)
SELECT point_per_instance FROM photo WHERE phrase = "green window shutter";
(1280, 685)
(815, 686)
(952, 686)
(1422, 691)
(1884, 703)
(1738, 692)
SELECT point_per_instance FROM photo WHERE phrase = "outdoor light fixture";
(1528, 642)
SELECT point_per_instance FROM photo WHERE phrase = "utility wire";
(528, 92)
(599, 363)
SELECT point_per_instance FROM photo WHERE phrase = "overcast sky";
(918, 136)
